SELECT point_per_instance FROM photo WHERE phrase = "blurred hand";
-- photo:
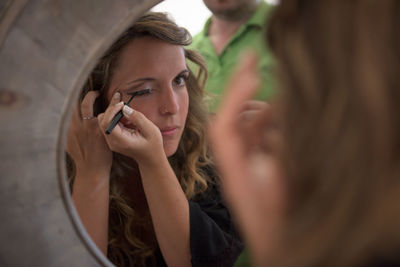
(251, 179)
(251, 109)
(252, 115)
(137, 137)
(85, 142)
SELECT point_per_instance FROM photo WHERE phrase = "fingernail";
(117, 96)
(120, 104)
(127, 110)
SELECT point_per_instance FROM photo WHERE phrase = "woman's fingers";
(241, 88)
(87, 104)
(113, 108)
(252, 114)
(81, 112)
(135, 136)
(145, 126)
(228, 135)
(115, 99)
(253, 121)
(225, 129)
(254, 105)
(106, 118)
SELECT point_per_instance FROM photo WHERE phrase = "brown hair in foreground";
(338, 71)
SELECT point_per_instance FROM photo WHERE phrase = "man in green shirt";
(234, 27)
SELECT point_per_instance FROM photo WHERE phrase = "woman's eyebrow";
(145, 79)
(182, 72)
(135, 83)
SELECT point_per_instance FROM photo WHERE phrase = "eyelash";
(184, 78)
(151, 91)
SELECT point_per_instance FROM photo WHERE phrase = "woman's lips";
(169, 131)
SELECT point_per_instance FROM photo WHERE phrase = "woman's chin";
(170, 150)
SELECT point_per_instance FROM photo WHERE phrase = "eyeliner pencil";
(119, 115)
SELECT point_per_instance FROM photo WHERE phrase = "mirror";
(147, 181)
(124, 176)
(47, 50)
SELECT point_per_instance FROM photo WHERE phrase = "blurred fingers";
(242, 86)
(87, 104)
(116, 98)
(254, 105)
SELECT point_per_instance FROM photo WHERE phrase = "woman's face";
(148, 62)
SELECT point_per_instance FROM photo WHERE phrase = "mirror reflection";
(147, 192)
(141, 173)
(144, 181)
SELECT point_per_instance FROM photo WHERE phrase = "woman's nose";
(169, 102)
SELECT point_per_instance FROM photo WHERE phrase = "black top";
(391, 260)
(213, 238)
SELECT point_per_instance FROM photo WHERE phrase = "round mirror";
(47, 49)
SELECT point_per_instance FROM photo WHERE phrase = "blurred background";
(189, 14)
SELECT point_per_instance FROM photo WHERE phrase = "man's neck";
(221, 31)
(224, 27)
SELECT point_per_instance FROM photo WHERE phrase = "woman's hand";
(250, 118)
(93, 159)
(136, 137)
(85, 142)
(242, 143)
(251, 109)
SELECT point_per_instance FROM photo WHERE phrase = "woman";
(320, 178)
(147, 193)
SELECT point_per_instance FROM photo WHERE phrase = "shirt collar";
(257, 19)
(259, 16)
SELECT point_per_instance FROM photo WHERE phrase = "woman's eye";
(180, 80)
(144, 92)
(140, 93)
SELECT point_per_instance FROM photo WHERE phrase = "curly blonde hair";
(131, 236)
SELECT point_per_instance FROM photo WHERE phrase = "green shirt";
(250, 35)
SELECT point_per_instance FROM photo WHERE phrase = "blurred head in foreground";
(315, 180)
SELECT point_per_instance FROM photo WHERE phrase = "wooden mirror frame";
(47, 50)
